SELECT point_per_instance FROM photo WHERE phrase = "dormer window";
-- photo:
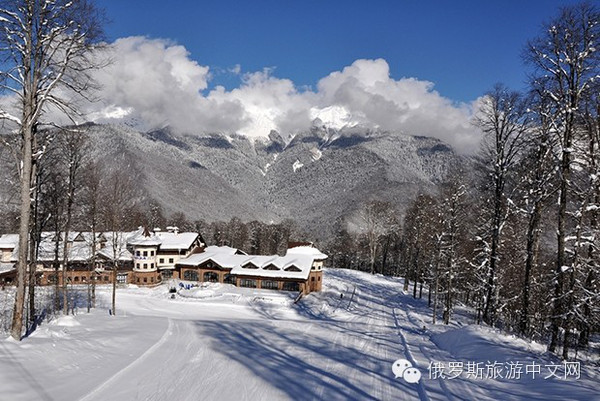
(271, 267)
(250, 265)
(293, 268)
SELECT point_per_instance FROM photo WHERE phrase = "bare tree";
(91, 214)
(120, 197)
(375, 219)
(45, 48)
(72, 147)
(534, 191)
(566, 63)
(503, 120)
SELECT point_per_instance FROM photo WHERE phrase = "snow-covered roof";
(9, 241)
(122, 254)
(168, 241)
(174, 241)
(144, 238)
(294, 265)
(223, 256)
(221, 249)
(6, 267)
(306, 250)
(79, 248)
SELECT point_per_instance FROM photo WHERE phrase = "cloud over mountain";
(157, 82)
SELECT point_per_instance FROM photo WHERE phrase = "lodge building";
(147, 258)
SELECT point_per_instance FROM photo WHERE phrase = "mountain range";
(315, 178)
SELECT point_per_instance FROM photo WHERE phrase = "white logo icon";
(404, 369)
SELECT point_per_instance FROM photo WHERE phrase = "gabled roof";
(175, 241)
(144, 238)
(301, 262)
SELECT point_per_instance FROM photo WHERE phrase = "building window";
(76, 279)
(318, 278)
(137, 253)
(171, 260)
(229, 279)
(145, 279)
(122, 278)
(105, 278)
(190, 275)
(151, 279)
(312, 279)
(52, 279)
(137, 265)
(152, 265)
(145, 253)
(291, 286)
(269, 284)
(151, 253)
(248, 283)
(167, 273)
(211, 277)
(145, 265)
(161, 260)
(138, 279)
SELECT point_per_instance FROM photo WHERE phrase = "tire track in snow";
(420, 386)
(108, 383)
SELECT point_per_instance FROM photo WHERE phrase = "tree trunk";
(56, 264)
(558, 308)
(25, 211)
(416, 269)
(114, 289)
(489, 313)
(67, 229)
(448, 307)
(531, 259)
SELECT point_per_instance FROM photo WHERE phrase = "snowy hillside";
(228, 343)
(313, 177)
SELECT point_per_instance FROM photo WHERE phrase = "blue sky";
(463, 47)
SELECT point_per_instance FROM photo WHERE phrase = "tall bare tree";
(503, 120)
(91, 195)
(120, 197)
(45, 48)
(375, 219)
(72, 148)
(566, 64)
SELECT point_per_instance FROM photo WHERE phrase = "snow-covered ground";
(218, 342)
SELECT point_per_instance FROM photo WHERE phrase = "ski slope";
(225, 343)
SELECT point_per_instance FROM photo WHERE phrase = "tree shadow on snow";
(300, 359)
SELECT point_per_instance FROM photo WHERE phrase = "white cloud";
(157, 82)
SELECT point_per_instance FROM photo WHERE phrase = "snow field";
(219, 342)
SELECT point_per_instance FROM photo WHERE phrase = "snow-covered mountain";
(314, 177)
